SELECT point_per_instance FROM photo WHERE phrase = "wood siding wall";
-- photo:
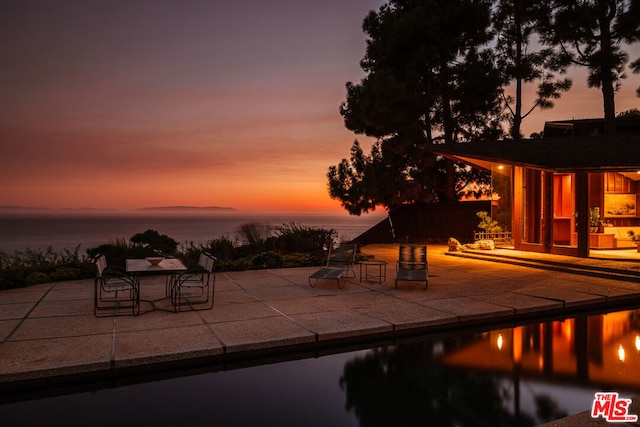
(427, 223)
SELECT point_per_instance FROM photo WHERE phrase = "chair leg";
(112, 305)
(168, 284)
(203, 301)
(95, 297)
(136, 289)
(350, 272)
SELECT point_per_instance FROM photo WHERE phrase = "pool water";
(521, 376)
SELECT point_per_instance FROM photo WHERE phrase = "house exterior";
(547, 186)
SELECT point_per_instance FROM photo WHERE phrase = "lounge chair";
(412, 265)
(114, 289)
(194, 288)
(339, 263)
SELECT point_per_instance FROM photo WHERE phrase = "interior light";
(637, 342)
(499, 342)
(502, 167)
(621, 355)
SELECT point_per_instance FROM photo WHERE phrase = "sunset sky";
(127, 104)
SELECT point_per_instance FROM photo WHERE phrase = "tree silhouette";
(590, 33)
(429, 80)
(156, 242)
(516, 23)
(402, 386)
(635, 66)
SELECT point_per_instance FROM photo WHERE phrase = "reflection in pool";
(520, 376)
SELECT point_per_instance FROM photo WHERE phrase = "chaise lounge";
(412, 265)
(339, 263)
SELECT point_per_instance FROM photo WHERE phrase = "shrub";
(487, 224)
(222, 248)
(293, 237)
(292, 245)
(155, 242)
(235, 265)
(190, 254)
(36, 278)
(300, 259)
(266, 260)
(11, 279)
(64, 273)
(116, 252)
(254, 235)
(36, 266)
(140, 245)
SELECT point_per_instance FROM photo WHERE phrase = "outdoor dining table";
(168, 267)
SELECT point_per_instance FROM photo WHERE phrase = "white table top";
(167, 265)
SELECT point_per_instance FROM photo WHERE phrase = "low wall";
(427, 223)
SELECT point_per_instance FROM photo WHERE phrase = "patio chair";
(412, 265)
(339, 263)
(194, 288)
(114, 290)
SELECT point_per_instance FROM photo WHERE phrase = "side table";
(379, 275)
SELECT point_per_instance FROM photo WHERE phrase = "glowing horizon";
(154, 104)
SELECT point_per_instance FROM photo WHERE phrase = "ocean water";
(66, 231)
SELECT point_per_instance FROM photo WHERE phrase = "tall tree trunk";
(606, 74)
(608, 95)
(449, 129)
(517, 116)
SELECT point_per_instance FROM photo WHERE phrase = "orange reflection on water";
(599, 349)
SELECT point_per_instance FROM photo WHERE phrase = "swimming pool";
(519, 376)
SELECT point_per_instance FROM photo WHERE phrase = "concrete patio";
(48, 333)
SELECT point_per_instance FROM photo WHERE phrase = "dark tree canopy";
(635, 66)
(395, 174)
(629, 25)
(632, 113)
(591, 33)
(389, 176)
(427, 70)
(430, 79)
(160, 243)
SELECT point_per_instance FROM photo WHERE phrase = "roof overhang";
(562, 155)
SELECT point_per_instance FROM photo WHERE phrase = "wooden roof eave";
(485, 163)
(560, 155)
